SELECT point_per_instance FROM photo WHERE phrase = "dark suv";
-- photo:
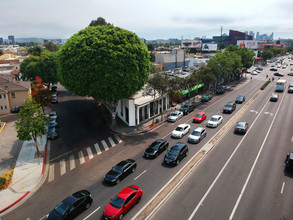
(176, 154)
(229, 107)
(221, 90)
(187, 108)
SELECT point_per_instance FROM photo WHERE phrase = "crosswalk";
(71, 161)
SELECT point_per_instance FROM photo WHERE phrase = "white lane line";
(282, 187)
(118, 138)
(92, 213)
(139, 175)
(90, 153)
(255, 161)
(62, 167)
(81, 157)
(98, 149)
(51, 173)
(60, 156)
(72, 162)
(105, 145)
(292, 140)
(111, 142)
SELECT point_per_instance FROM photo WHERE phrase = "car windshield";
(155, 145)
(195, 133)
(198, 116)
(61, 208)
(240, 125)
(117, 169)
(179, 129)
(239, 98)
(174, 114)
(214, 119)
(184, 106)
(117, 202)
(173, 151)
(229, 105)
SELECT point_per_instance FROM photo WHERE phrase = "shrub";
(2, 182)
(265, 85)
(5, 180)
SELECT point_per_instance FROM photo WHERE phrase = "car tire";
(138, 200)
(88, 205)
(156, 155)
(120, 216)
(133, 169)
(118, 181)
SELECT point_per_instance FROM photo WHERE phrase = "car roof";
(241, 123)
(231, 102)
(179, 145)
(199, 129)
(201, 113)
(274, 95)
(124, 193)
(177, 112)
(124, 162)
(216, 116)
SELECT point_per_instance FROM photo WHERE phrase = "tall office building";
(257, 35)
(272, 36)
(1, 40)
(251, 33)
(11, 39)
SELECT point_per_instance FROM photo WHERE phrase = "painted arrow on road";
(254, 111)
(269, 113)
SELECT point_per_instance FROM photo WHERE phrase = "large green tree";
(105, 62)
(266, 54)
(99, 22)
(32, 122)
(35, 50)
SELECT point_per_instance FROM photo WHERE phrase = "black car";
(289, 161)
(259, 68)
(229, 107)
(206, 97)
(176, 154)
(120, 171)
(278, 74)
(52, 133)
(241, 127)
(273, 69)
(240, 99)
(221, 89)
(290, 74)
(274, 98)
(72, 206)
(156, 148)
(187, 108)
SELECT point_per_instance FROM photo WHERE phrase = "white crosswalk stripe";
(89, 153)
(72, 162)
(51, 173)
(118, 139)
(98, 149)
(105, 145)
(81, 157)
(111, 142)
(62, 167)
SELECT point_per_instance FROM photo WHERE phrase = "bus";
(280, 86)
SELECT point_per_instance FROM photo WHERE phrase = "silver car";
(175, 116)
(197, 135)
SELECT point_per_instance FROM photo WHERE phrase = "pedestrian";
(250, 78)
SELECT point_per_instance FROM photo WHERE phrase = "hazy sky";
(149, 19)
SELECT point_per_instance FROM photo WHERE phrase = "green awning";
(192, 89)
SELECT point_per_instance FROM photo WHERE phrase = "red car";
(122, 202)
(201, 116)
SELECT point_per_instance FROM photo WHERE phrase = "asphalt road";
(152, 175)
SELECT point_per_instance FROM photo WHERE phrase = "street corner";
(2, 125)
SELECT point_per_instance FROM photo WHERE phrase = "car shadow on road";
(288, 173)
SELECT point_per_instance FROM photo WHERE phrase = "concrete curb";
(14, 203)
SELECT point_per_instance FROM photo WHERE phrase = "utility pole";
(221, 39)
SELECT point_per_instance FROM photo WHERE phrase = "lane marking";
(111, 142)
(98, 148)
(105, 145)
(292, 139)
(62, 167)
(81, 157)
(282, 187)
(72, 162)
(139, 175)
(118, 138)
(255, 161)
(91, 213)
(90, 153)
(51, 173)
(60, 156)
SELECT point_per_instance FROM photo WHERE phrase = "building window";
(13, 95)
(1, 107)
(4, 96)
(0, 97)
(5, 107)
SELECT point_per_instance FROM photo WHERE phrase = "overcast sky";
(149, 19)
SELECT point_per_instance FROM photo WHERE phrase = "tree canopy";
(99, 22)
(35, 50)
(105, 62)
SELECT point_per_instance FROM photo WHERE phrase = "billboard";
(209, 47)
(191, 44)
(249, 44)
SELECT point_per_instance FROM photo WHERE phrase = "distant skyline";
(153, 19)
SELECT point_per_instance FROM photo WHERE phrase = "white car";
(279, 65)
(53, 115)
(175, 116)
(253, 72)
(215, 121)
(180, 131)
(197, 135)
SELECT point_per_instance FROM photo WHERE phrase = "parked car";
(122, 202)
(53, 123)
(52, 133)
(175, 116)
(290, 90)
(156, 148)
(72, 206)
(284, 66)
(279, 65)
(290, 74)
(253, 72)
(54, 98)
(199, 117)
(240, 99)
(273, 69)
(278, 74)
(176, 154)
(221, 89)
(180, 131)
(206, 97)
(53, 115)
(259, 68)
(215, 121)
(229, 107)
(274, 98)
(17, 109)
(241, 127)
(187, 108)
(120, 171)
(197, 135)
